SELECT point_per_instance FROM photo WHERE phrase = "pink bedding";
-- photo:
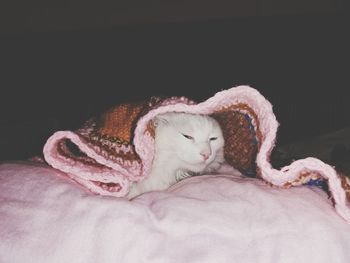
(45, 217)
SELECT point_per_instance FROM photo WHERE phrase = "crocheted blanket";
(115, 149)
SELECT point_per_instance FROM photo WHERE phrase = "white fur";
(177, 157)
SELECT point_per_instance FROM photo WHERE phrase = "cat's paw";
(181, 175)
(133, 192)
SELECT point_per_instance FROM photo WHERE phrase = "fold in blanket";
(115, 149)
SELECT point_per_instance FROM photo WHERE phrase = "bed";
(229, 216)
(221, 218)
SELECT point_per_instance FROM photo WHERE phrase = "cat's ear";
(161, 119)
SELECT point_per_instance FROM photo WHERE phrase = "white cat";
(185, 145)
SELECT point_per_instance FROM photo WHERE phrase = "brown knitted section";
(116, 127)
(241, 142)
(346, 186)
(65, 149)
(118, 122)
(108, 149)
(303, 177)
(238, 108)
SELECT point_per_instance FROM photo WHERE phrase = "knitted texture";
(117, 148)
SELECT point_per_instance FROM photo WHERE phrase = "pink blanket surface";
(117, 148)
(45, 218)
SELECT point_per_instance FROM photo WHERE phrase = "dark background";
(59, 66)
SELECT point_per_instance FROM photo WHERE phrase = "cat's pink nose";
(205, 156)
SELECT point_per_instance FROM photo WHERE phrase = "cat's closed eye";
(187, 136)
(213, 138)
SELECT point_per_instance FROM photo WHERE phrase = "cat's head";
(195, 140)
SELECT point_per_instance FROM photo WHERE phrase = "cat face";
(193, 140)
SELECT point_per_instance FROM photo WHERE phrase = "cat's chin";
(196, 167)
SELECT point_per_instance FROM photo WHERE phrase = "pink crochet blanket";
(117, 148)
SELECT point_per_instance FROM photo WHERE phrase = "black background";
(55, 80)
